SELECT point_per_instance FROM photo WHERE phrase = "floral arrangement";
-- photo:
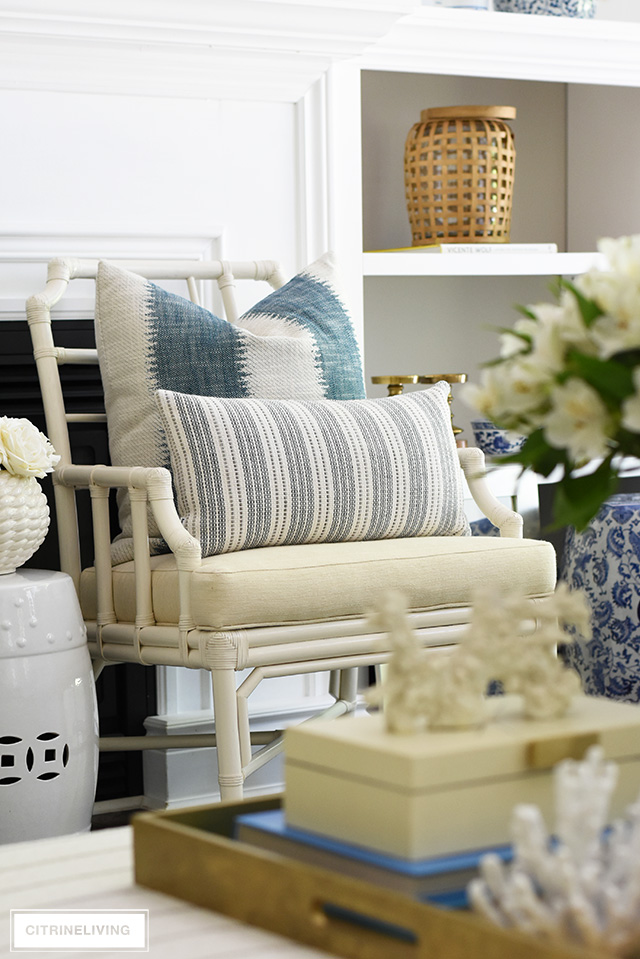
(24, 450)
(568, 378)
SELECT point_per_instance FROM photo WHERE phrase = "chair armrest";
(507, 520)
(155, 483)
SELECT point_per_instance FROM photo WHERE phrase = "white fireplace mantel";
(275, 50)
(224, 49)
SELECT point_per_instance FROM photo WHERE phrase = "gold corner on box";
(447, 790)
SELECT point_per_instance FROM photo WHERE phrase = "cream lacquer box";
(447, 790)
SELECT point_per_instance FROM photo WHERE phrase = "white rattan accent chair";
(170, 609)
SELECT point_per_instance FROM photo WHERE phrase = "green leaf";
(628, 443)
(519, 334)
(612, 380)
(578, 498)
(555, 286)
(537, 455)
(498, 361)
(511, 331)
(526, 311)
(630, 358)
(589, 309)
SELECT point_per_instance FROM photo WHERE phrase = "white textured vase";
(24, 519)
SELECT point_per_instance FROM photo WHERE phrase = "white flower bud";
(24, 450)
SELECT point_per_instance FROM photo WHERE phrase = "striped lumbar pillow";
(252, 473)
(296, 342)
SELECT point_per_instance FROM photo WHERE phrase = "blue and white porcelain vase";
(550, 8)
(494, 441)
(604, 562)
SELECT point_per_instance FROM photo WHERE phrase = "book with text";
(441, 879)
(480, 248)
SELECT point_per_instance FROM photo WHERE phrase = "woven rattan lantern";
(459, 165)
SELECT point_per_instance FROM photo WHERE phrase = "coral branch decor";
(511, 639)
(568, 378)
(26, 455)
(583, 884)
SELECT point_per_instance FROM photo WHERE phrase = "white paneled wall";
(112, 165)
(106, 174)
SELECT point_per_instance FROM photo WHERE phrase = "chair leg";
(230, 775)
(343, 685)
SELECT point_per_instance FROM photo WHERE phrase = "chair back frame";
(50, 357)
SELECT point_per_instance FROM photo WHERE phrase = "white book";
(479, 248)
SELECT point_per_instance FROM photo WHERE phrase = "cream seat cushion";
(327, 581)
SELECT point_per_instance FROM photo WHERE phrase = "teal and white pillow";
(296, 342)
(251, 473)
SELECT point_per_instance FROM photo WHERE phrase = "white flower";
(513, 394)
(560, 326)
(484, 396)
(617, 293)
(623, 255)
(618, 296)
(511, 344)
(526, 385)
(554, 376)
(619, 328)
(549, 346)
(578, 421)
(556, 328)
(24, 450)
(631, 406)
(574, 331)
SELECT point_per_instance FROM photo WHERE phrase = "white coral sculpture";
(511, 638)
(582, 886)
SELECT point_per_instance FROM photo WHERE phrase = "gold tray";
(190, 854)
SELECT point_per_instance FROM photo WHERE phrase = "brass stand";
(431, 378)
(396, 384)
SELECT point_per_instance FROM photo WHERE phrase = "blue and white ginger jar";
(604, 562)
(550, 8)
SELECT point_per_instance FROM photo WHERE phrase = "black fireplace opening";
(126, 692)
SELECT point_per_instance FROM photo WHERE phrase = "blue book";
(441, 879)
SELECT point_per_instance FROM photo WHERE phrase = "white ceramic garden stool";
(48, 709)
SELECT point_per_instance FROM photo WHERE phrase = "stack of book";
(486, 248)
(441, 880)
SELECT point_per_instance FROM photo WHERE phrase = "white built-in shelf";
(516, 45)
(479, 264)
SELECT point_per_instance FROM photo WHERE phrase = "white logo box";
(448, 790)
